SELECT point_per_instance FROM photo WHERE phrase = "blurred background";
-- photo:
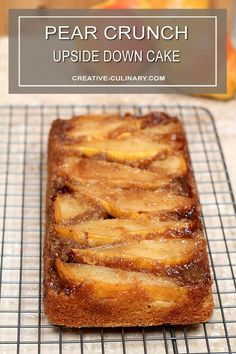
(222, 106)
(73, 4)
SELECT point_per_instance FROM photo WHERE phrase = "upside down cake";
(124, 240)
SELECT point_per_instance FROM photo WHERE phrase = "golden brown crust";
(149, 268)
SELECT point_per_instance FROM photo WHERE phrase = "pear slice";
(87, 170)
(162, 129)
(174, 140)
(69, 207)
(134, 203)
(174, 165)
(111, 231)
(100, 125)
(130, 149)
(155, 130)
(106, 283)
(159, 134)
(143, 255)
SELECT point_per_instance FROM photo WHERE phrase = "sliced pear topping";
(146, 254)
(100, 125)
(111, 231)
(172, 165)
(71, 206)
(67, 207)
(175, 141)
(168, 128)
(85, 170)
(110, 283)
(134, 203)
(126, 149)
(157, 131)
(112, 125)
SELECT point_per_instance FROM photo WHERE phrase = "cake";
(124, 241)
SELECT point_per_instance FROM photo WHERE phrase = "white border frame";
(112, 85)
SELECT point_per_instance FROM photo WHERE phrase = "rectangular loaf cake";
(124, 241)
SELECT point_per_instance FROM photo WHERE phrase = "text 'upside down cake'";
(124, 241)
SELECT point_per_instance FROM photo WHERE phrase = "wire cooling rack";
(23, 325)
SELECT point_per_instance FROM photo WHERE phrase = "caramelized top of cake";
(124, 207)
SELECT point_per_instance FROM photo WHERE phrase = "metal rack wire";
(23, 326)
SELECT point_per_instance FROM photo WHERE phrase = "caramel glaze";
(194, 274)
